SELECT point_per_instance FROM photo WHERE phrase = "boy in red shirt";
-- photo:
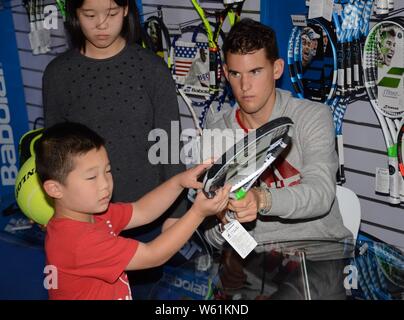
(82, 240)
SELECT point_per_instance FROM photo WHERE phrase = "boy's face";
(88, 188)
(252, 78)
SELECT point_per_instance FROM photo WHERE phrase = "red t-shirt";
(90, 257)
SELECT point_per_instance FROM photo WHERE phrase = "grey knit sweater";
(302, 183)
(122, 98)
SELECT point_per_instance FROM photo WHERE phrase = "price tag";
(382, 180)
(238, 237)
(321, 8)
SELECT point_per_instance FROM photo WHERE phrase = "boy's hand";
(189, 178)
(208, 207)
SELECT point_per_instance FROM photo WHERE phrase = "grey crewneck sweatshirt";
(303, 192)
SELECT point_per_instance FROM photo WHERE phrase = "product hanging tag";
(239, 238)
(382, 180)
(321, 8)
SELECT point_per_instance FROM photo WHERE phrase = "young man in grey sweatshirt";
(296, 197)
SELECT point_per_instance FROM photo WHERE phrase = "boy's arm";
(153, 204)
(156, 202)
(162, 248)
(158, 251)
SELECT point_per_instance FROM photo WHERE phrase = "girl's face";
(101, 22)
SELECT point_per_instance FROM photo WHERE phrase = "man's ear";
(53, 189)
(226, 71)
(278, 68)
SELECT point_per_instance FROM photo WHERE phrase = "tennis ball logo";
(31, 198)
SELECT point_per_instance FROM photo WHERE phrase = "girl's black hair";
(131, 29)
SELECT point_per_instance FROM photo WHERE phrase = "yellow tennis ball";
(30, 196)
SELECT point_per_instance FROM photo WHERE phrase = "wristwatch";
(264, 200)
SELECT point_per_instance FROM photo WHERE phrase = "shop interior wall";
(364, 144)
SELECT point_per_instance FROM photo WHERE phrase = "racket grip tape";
(394, 183)
(341, 159)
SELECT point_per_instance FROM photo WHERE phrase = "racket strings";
(243, 163)
(190, 51)
(212, 89)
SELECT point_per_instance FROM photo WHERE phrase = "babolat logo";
(193, 286)
(8, 154)
(394, 78)
(390, 94)
(299, 20)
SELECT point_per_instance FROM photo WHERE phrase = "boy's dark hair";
(131, 28)
(248, 36)
(59, 144)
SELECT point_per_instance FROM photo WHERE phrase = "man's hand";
(246, 209)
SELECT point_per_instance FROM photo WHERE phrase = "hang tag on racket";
(321, 8)
(239, 238)
(382, 180)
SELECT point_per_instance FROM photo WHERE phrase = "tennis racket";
(383, 62)
(400, 149)
(61, 4)
(234, 6)
(242, 164)
(160, 37)
(190, 70)
(30, 7)
(383, 73)
(293, 46)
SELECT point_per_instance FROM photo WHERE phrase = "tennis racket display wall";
(364, 145)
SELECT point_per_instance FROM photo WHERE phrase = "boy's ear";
(53, 189)
(278, 68)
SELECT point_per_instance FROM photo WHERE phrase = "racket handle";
(230, 215)
(341, 70)
(401, 185)
(341, 161)
(394, 182)
(213, 70)
(209, 194)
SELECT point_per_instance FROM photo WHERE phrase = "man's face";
(388, 49)
(252, 77)
(309, 48)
